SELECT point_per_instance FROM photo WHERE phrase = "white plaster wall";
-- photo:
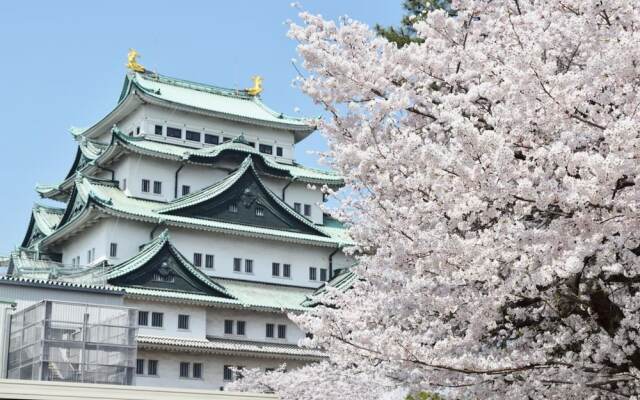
(255, 325)
(93, 237)
(150, 115)
(197, 319)
(299, 192)
(212, 371)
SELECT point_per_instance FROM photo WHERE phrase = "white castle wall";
(197, 319)
(255, 325)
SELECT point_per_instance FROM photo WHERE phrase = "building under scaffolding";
(62, 341)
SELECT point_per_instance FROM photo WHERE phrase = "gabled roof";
(44, 220)
(341, 282)
(248, 173)
(92, 198)
(160, 256)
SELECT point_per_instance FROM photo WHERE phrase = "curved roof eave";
(124, 107)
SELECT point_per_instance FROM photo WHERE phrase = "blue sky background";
(63, 65)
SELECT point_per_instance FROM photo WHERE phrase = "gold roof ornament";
(257, 86)
(132, 62)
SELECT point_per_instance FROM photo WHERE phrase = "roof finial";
(132, 62)
(257, 86)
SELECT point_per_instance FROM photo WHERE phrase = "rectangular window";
(286, 270)
(211, 139)
(157, 187)
(174, 132)
(266, 149)
(113, 250)
(139, 366)
(146, 184)
(240, 325)
(237, 264)
(312, 274)
(197, 259)
(279, 151)
(184, 370)
(259, 211)
(252, 144)
(275, 269)
(124, 184)
(282, 331)
(226, 139)
(197, 370)
(248, 266)
(233, 207)
(152, 367)
(156, 277)
(323, 274)
(193, 136)
(297, 207)
(156, 319)
(227, 373)
(270, 328)
(209, 261)
(137, 130)
(89, 257)
(307, 210)
(186, 189)
(228, 327)
(183, 321)
(158, 130)
(143, 318)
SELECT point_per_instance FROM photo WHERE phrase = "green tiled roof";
(112, 200)
(256, 294)
(225, 103)
(47, 218)
(341, 282)
(227, 346)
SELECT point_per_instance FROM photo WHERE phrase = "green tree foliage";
(414, 11)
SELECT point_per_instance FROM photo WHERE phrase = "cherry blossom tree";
(497, 210)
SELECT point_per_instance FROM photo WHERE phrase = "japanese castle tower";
(185, 204)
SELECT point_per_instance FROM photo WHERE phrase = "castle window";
(156, 319)
(270, 330)
(186, 189)
(286, 270)
(174, 132)
(312, 274)
(146, 184)
(233, 207)
(323, 274)
(237, 264)
(307, 210)
(152, 367)
(197, 259)
(240, 327)
(139, 366)
(193, 136)
(158, 130)
(211, 139)
(275, 269)
(157, 187)
(143, 318)
(228, 327)
(124, 184)
(227, 373)
(282, 331)
(163, 278)
(184, 370)
(248, 266)
(297, 207)
(183, 321)
(209, 261)
(259, 211)
(279, 151)
(197, 370)
(137, 130)
(113, 250)
(266, 149)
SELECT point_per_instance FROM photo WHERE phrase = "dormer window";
(233, 207)
(158, 277)
(259, 211)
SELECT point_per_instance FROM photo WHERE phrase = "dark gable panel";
(248, 194)
(165, 264)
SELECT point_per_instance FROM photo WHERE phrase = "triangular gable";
(241, 198)
(160, 265)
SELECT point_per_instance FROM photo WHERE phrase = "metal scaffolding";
(73, 342)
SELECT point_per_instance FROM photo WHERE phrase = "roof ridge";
(188, 84)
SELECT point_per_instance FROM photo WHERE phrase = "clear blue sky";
(63, 65)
